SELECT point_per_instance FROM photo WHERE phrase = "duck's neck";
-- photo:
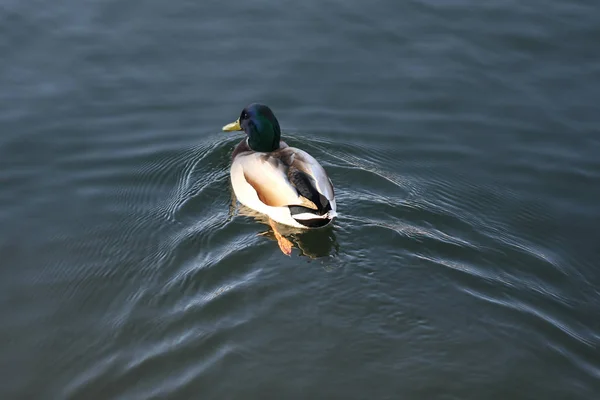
(243, 147)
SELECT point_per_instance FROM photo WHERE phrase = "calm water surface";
(463, 140)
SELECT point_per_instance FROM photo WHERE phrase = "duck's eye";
(244, 115)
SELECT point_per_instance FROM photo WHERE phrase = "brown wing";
(268, 176)
(271, 197)
(266, 193)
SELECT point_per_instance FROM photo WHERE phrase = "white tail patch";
(306, 216)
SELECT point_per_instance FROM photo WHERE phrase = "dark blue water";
(463, 141)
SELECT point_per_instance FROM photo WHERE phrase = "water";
(462, 139)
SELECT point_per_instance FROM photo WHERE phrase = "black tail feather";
(309, 223)
(314, 223)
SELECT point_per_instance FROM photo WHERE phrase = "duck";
(285, 183)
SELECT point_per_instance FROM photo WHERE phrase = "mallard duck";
(285, 183)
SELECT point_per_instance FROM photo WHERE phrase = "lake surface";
(463, 141)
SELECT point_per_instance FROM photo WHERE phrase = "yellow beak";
(234, 126)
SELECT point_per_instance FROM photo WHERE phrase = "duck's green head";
(261, 126)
